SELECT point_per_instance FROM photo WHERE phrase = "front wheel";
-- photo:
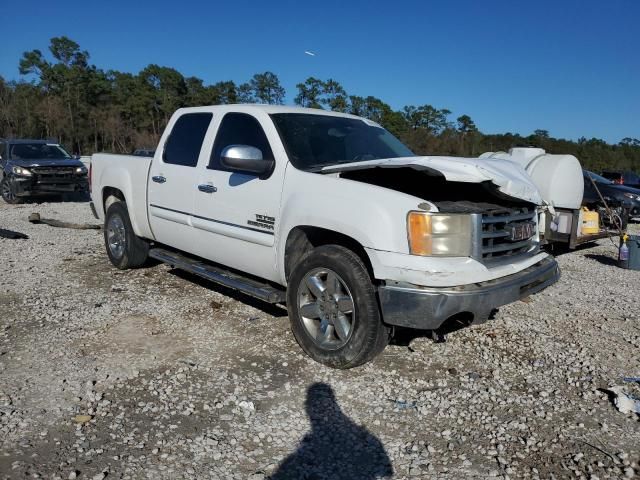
(7, 192)
(124, 248)
(333, 308)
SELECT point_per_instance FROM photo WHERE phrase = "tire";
(124, 248)
(7, 192)
(340, 326)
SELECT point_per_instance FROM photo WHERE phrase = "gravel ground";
(155, 374)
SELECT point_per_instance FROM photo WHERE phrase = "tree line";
(89, 110)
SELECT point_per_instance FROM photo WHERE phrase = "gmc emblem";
(520, 231)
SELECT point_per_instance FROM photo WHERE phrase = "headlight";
(21, 171)
(631, 196)
(438, 234)
(81, 170)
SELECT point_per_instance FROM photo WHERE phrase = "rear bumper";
(428, 308)
(42, 185)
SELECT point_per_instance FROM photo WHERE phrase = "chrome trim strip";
(213, 220)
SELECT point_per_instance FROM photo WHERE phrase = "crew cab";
(36, 167)
(331, 215)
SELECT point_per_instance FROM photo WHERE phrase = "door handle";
(207, 188)
(159, 179)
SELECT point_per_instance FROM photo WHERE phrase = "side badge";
(263, 221)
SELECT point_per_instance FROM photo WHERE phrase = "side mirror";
(244, 158)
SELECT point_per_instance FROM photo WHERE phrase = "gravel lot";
(155, 374)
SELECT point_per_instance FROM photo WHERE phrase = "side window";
(185, 141)
(239, 129)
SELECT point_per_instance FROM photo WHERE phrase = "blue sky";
(569, 66)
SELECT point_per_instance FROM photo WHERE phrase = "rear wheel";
(7, 191)
(124, 248)
(333, 308)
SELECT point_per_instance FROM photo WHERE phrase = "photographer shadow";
(335, 448)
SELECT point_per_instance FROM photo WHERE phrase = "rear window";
(185, 141)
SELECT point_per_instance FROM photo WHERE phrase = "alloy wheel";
(326, 308)
(116, 236)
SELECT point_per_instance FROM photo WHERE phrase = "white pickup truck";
(330, 214)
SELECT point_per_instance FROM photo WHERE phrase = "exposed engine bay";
(449, 197)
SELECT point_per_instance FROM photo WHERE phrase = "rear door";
(172, 182)
(237, 212)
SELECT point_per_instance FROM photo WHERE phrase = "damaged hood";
(509, 177)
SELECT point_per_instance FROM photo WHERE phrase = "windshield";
(597, 177)
(316, 141)
(36, 151)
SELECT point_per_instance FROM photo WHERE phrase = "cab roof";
(268, 109)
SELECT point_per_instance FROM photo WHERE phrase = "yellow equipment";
(590, 222)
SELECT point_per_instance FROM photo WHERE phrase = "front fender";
(375, 217)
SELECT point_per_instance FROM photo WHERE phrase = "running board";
(263, 291)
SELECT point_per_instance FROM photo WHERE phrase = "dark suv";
(33, 167)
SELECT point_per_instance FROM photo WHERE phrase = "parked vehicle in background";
(620, 197)
(143, 152)
(628, 179)
(37, 167)
(330, 214)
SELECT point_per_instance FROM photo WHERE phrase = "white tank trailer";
(560, 181)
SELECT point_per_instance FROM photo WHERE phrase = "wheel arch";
(302, 239)
(137, 209)
(111, 195)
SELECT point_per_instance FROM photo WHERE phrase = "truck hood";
(508, 177)
(46, 162)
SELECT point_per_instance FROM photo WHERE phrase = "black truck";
(38, 167)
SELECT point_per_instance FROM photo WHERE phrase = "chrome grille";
(496, 237)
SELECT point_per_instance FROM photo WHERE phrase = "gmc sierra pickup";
(330, 214)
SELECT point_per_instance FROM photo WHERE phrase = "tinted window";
(239, 129)
(185, 141)
(316, 141)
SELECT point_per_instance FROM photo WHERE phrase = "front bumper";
(428, 308)
(25, 186)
